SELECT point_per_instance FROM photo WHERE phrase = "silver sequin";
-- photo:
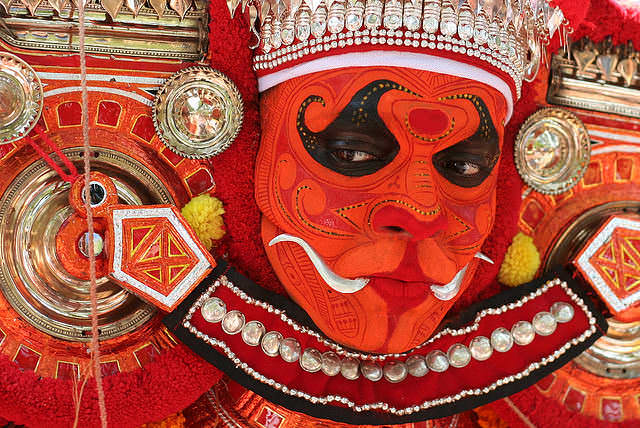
(544, 323)
(213, 309)
(437, 361)
(349, 367)
(311, 360)
(501, 339)
(290, 350)
(480, 348)
(252, 333)
(270, 343)
(523, 333)
(395, 371)
(417, 365)
(371, 371)
(562, 312)
(330, 363)
(233, 322)
(459, 355)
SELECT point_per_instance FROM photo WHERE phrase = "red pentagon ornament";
(154, 253)
(610, 262)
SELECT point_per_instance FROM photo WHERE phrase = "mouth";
(343, 285)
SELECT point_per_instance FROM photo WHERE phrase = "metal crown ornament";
(508, 34)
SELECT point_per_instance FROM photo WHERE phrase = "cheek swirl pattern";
(348, 286)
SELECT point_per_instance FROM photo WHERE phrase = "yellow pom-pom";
(521, 261)
(204, 215)
(173, 421)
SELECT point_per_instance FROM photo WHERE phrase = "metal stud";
(371, 371)
(523, 333)
(459, 355)
(501, 339)
(233, 322)
(437, 361)
(330, 363)
(252, 333)
(349, 367)
(562, 312)
(270, 343)
(290, 350)
(544, 323)
(213, 309)
(395, 371)
(417, 366)
(311, 360)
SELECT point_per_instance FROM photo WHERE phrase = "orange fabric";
(346, 219)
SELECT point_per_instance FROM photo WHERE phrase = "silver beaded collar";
(218, 315)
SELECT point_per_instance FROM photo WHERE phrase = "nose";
(400, 221)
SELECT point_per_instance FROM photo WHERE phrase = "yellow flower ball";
(521, 261)
(204, 215)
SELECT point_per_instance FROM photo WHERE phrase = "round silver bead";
(311, 360)
(437, 361)
(480, 348)
(459, 355)
(330, 363)
(395, 371)
(232, 322)
(371, 371)
(349, 367)
(562, 312)
(417, 365)
(252, 333)
(501, 339)
(290, 350)
(213, 309)
(270, 343)
(523, 333)
(544, 323)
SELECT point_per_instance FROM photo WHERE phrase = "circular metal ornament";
(417, 366)
(544, 323)
(232, 322)
(552, 150)
(523, 333)
(330, 363)
(459, 355)
(213, 309)
(311, 360)
(290, 350)
(437, 361)
(198, 112)
(252, 333)
(21, 100)
(349, 368)
(501, 339)
(371, 371)
(562, 312)
(270, 343)
(480, 348)
(395, 371)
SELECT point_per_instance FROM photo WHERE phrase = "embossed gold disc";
(20, 100)
(552, 150)
(198, 112)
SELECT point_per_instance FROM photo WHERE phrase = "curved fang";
(450, 290)
(333, 280)
(483, 257)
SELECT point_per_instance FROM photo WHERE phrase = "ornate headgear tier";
(505, 37)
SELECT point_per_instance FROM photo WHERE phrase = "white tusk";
(483, 257)
(450, 290)
(333, 280)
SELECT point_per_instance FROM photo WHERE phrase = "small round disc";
(198, 112)
(552, 150)
(21, 100)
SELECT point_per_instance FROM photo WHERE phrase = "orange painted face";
(377, 187)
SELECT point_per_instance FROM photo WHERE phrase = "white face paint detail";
(450, 290)
(483, 257)
(333, 280)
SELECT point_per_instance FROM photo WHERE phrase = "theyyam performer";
(319, 213)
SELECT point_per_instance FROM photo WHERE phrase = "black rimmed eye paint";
(469, 162)
(357, 142)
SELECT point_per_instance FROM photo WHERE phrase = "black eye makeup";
(357, 142)
(469, 162)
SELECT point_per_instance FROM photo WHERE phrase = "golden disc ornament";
(20, 100)
(198, 112)
(552, 150)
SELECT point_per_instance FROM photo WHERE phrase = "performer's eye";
(462, 167)
(466, 165)
(353, 156)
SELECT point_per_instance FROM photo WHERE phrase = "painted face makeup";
(377, 188)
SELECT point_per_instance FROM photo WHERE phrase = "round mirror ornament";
(198, 112)
(552, 150)
(21, 100)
